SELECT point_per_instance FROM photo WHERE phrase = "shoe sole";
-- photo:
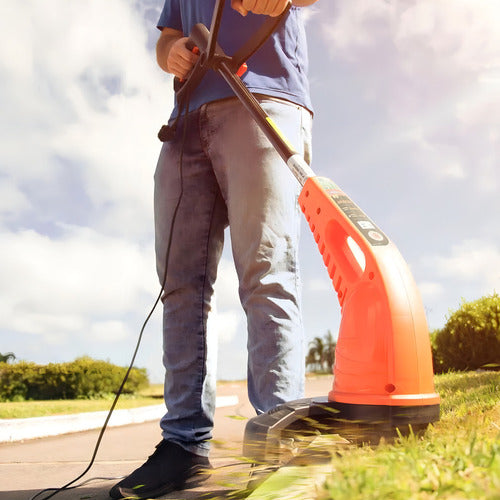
(197, 475)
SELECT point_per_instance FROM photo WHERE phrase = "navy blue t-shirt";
(277, 69)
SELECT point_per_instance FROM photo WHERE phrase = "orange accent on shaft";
(383, 354)
(242, 70)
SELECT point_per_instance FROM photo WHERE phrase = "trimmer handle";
(198, 42)
(211, 54)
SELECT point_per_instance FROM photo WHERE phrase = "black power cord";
(70, 485)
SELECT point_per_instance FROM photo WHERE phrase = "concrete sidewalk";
(30, 466)
(20, 429)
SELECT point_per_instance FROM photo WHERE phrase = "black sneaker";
(169, 468)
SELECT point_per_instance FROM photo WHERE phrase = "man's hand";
(180, 59)
(172, 54)
(271, 8)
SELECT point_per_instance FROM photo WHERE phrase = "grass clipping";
(457, 458)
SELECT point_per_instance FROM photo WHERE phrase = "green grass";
(457, 458)
(153, 395)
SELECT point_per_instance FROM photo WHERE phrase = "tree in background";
(321, 355)
(470, 338)
(315, 354)
(5, 358)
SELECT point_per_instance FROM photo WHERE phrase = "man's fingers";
(237, 5)
(271, 8)
(185, 63)
(181, 59)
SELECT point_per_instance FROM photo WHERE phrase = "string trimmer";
(383, 374)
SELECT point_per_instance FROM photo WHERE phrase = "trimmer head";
(285, 431)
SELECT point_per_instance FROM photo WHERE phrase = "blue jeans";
(232, 176)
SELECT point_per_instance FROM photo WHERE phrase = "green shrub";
(14, 380)
(84, 378)
(470, 338)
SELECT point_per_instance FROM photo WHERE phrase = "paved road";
(28, 467)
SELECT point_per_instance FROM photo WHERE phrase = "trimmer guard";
(272, 437)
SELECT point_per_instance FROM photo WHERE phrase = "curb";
(19, 429)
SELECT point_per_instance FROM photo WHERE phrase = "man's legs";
(264, 219)
(227, 161)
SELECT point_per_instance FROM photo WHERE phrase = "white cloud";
(81, 88)
(432, 67)
(437, 29)
(318, 284)
(227, 317)
(108, 331)
(364, 15)
(430, 291)
(310, 13)
(12, 200)
(468, 270)
(453, 171)
(227, 325)
(425, 34)
(226, 286)
(473, 261)
(66, 285)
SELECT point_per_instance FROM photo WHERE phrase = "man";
(218, 169)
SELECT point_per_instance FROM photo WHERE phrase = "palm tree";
(321, 354)
(314, 358)
(5, 358)
(329, 350)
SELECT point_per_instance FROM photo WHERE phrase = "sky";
(407, 105)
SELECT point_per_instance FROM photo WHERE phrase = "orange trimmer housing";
(383, 354)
